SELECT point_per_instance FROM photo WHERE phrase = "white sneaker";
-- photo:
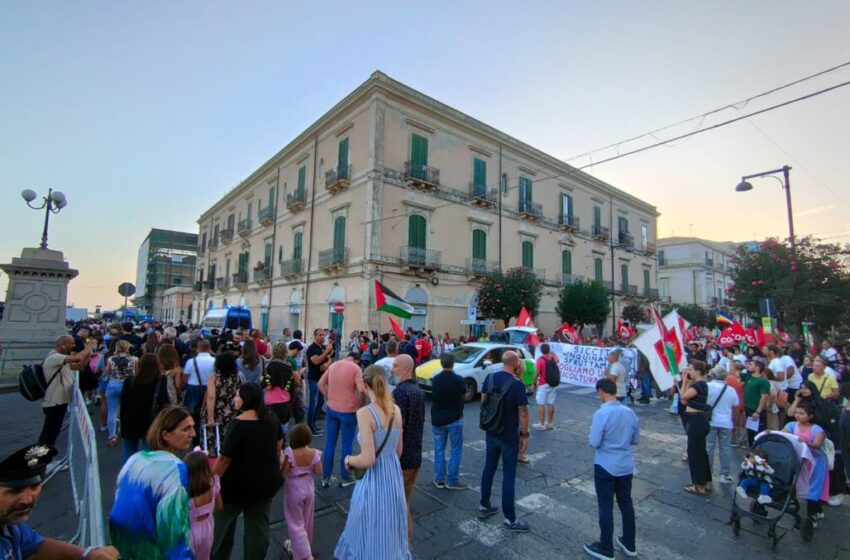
(836, 500)
(741, 492)
(726, 479)
(764, 499)
(539, 427)
(551, 427)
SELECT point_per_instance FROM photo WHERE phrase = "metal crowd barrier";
(85, 473)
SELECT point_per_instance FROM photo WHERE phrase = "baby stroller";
(786, 466)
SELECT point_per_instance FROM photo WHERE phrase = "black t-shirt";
(137, 408)
(313, 371)
(447, 390)
(513, 399)
(254, 471)
(701, 398)
(410, 349)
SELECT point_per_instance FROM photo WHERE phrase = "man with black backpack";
(504, 416)
(59, 367)
(546, 383)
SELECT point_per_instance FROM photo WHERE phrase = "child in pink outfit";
(204, 499)
(301, 462)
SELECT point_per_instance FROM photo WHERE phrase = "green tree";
(634, 313)
(502, 296)
(584, 303)
(695, 315)
(809, 284)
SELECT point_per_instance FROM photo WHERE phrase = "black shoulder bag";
(359, 472)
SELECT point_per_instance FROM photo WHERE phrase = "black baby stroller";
(786, 466)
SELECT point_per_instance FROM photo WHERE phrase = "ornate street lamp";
(53, 202)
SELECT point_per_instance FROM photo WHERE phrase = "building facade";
(166, 259)
(695, 271)
(392, 185)
(176, 304)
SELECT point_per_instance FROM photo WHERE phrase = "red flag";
(763, 338)
(737, 331)
(782, 335)
(624, 330)
(751, 338)
(569, 333)
(686, 334)
(668, 347)
(396, 329)
(524, 319)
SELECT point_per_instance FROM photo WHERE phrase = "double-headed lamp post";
(745, 185)
(53, 202)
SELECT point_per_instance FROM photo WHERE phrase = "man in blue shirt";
(512, 442)
(615, 429)
(21, 476)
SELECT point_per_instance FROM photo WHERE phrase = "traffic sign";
(339, 307)
(126, 289)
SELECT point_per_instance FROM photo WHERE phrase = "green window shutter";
(527, 254)
(623, 225)
(302, 177)
(339, 234)
(624, 275)
(227, 271)
(342, 156)
(646, 283)
(525, 188)
(416, 231)
(272, 193)
(267, 256)
(479, 244)
(566, 205)
(418, 149)
(296, 245)
(566, 262)
(597, 269)
(597, 216)
(479, 172)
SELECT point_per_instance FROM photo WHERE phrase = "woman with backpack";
(120, 366)
(142, 397)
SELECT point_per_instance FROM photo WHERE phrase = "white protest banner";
(585, 365)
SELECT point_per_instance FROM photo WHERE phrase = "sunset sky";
(144, 114)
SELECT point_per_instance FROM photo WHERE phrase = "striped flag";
(723, 319)
(390, 303)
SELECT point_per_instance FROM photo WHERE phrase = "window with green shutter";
(342, 158)
(479, 244)
(231, 223)
(339, 235)
(527, 254)
(267, 255)
(624, 276)
(646, 283)
(567, 208)
(416, 231)
(525, 189)
(597, 216)
(597, 269)
(418, 150)
(302, 177)
(566, 262)
(296, 245)
(227, 271)
(479, 173)
(272, 196)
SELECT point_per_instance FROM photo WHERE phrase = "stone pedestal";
(34, 315)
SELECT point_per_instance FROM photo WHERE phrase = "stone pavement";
(555, 495)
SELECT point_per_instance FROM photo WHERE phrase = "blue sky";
(145, 113)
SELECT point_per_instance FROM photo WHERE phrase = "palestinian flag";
(390, 303)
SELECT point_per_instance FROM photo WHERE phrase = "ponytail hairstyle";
(375, 378)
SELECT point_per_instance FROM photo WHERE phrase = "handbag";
(358, 472)
(709, 408)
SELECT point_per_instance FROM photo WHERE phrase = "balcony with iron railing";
(420, 258)
(649, 248)
(607, 284)
(650, 293)
(210, 284)
(626, 240)
(244, 227)
(266, 216)
(338, 179)
(226, 236)
(540, 273)
(709, 261)
(240, 279)
(565, 279)
(480, 268)
(291, 268)
(220, 284)
(600, 233)
(333, 259)
(568, 222)
(263, 275)
(529, 210)
(631, 290)
(421, 176)
(296, 200)
(480, 195)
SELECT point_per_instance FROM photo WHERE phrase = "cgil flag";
(390, 303)
(524, 318)
(662, 346)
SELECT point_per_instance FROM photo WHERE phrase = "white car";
(474, 361)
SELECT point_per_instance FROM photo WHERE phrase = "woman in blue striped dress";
(376, 527)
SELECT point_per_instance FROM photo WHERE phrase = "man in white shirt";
(387, 361)
(723, 399)
(59, 367)
(196, 373)
(828, 352)
(618, 374)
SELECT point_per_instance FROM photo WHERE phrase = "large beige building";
(393, 185)
(695, 271)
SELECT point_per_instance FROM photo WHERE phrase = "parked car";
(473, 362)
(513, 335)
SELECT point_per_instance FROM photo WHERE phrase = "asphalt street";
(555, 495)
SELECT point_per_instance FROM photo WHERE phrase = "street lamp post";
(745, 185)
(53, 202)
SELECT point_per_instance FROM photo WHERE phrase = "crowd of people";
(212, 427)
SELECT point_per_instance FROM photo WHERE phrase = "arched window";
(527, 254)
(479, 244)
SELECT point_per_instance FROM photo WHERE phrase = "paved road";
(555, 496)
